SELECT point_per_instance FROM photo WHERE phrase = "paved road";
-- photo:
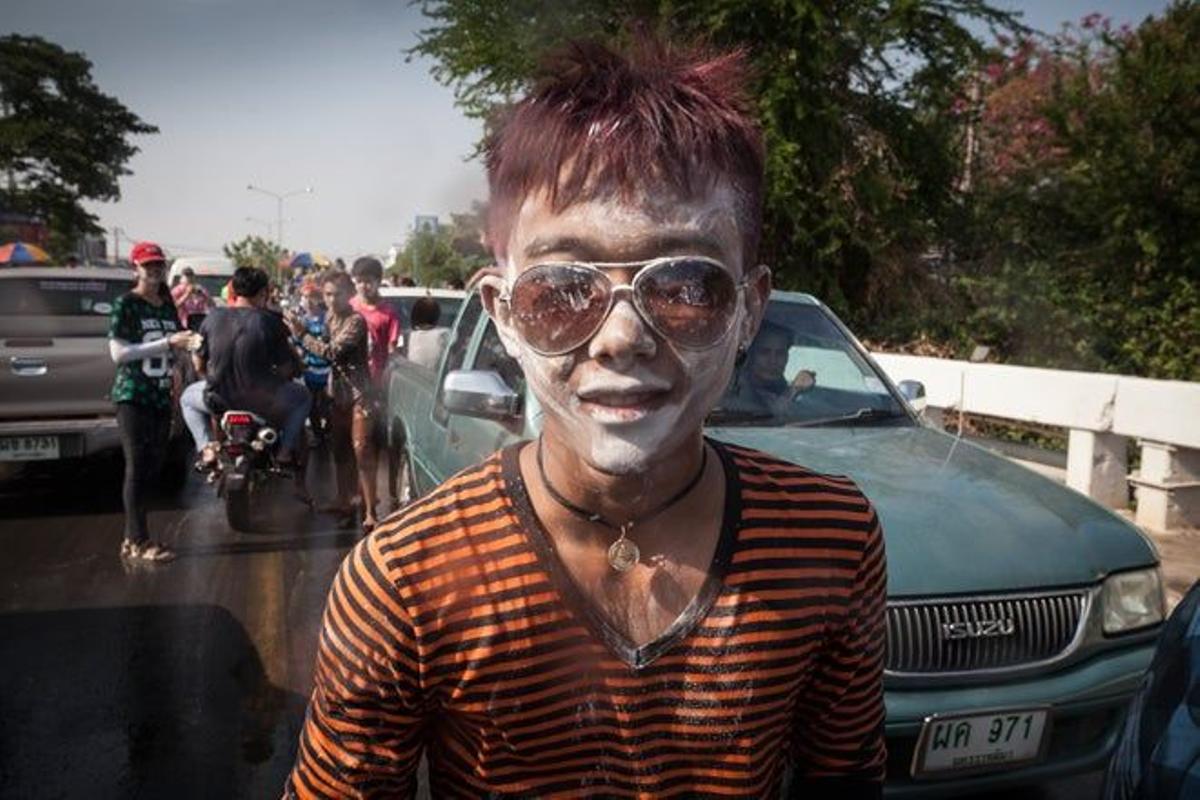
(183, 680)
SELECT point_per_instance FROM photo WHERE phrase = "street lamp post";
(279, 198)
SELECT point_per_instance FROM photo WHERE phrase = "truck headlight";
(1133, 600)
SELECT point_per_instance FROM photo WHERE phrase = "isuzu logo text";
(979, 629)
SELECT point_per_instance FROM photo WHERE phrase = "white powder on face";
(630, 448)
(699, 377)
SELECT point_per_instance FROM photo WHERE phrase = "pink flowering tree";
(1081, 182)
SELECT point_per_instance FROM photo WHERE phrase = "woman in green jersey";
(143, 332)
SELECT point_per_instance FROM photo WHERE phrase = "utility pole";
(417, 262)
(422, 223)
(966, 180)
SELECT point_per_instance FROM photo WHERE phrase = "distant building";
(92, 249)
(17, 227)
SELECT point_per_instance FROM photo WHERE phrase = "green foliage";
(1043, 198)
(62, 140)
(1084, 250)
(452, 251)
(255, 251)
(851, 96)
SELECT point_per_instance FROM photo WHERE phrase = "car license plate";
(957, 743)
(28, 448)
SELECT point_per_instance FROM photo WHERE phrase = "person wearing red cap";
(143, 332)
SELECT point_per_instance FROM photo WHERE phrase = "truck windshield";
(60, 297)
(802, 370)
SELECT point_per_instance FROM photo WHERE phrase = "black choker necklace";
(623, 554)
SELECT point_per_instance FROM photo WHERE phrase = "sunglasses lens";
(691, 301)
(556, 307)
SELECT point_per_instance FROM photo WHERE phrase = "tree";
(62, 140)
(853, 97)
(255, 251)
(1084, 244)
(452, 251)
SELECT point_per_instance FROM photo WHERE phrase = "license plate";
(956, 743)
(28, 448)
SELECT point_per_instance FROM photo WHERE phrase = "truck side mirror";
(914, 393)
(479, 393)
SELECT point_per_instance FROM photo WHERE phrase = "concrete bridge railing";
(1100, 412)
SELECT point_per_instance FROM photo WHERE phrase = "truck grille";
(969, 634)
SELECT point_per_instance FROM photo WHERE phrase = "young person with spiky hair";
(622, 607)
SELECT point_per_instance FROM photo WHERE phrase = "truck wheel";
(237, 509)
(404, 483)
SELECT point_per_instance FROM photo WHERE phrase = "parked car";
(1021, 615)
(57, 373)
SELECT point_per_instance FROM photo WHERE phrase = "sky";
(290, 94)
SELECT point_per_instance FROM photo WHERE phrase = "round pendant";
(623, 554)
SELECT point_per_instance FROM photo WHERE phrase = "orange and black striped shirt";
(453, 631)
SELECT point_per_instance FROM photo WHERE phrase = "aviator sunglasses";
(691, 301)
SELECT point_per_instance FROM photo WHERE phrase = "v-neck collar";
(634, 656)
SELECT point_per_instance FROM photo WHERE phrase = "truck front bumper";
(1088, 704)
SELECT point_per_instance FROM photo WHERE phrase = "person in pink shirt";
(189, 296)
(383, 333)
(383, 324)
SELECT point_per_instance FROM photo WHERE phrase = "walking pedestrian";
(316, 368)
(143, 333)
(384, 329)
(622, 607)
(353, 408)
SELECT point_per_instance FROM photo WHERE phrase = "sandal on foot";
(368, 525)
(208, 458)
(147, 551)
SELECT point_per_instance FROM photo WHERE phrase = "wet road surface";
(181, 680)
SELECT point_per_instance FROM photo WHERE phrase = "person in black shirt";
(249, 363)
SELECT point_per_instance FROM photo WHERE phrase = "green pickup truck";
(1021, 615)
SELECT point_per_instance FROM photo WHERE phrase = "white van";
(212, 272)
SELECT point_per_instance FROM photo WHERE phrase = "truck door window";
(491, 355)
(456, 352)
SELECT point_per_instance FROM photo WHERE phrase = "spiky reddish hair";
(600, 122)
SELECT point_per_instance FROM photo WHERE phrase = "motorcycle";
(246, 449)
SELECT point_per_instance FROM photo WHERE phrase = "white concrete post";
(1168, 486)
(1097, 466)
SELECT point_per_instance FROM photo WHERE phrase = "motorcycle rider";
(248, 362)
